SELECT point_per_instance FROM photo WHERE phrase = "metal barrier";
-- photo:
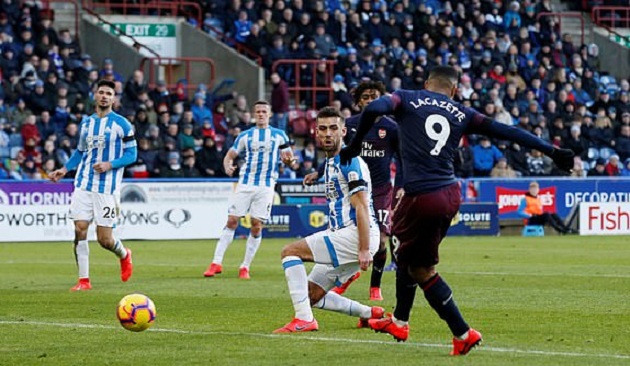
(567, 14)
(240, 48)
(46, 8)
(319, 81)
(149, 7)
(611, 16)
(169, 66)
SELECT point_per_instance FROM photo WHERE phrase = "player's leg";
(382, 200)
(238, 207)
(82, 213)
(424, 256)
(324, 277)
(106, 210)
(260, 212)
(293, 257)
(82, 255)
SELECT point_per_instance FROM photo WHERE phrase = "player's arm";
(486, 126)
(240, 144)
(228, 162)
(70, 165)
(286, 153)
(130, 150)
(74, 160)
(380, 107)
(130, 153)
(311, 178)
(360, 202)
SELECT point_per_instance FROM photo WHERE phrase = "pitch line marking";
(476, 273)
(325, 339)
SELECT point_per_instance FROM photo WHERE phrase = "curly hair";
(368, 85)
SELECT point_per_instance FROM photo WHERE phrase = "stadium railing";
(566, 14)
(291, 70)
(47, 9)
(176, 68)
(148, 7)
(611, 16)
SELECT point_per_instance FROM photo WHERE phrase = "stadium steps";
(64, 16)
(573, 26)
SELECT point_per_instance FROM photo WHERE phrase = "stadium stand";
(518, 66)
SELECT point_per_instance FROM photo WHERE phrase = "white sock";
(250, 250)
(119, 249)
(295, 273)
(335, 302)
(463, 336)
(226, 238)
(400, 323)
(82, 252)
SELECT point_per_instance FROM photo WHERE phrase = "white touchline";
(482, 348)
(444, 271)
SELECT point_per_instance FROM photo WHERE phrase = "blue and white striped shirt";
(101, 140)
(261, 147)
(337, 180)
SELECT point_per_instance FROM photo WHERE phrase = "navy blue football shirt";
(378, 147)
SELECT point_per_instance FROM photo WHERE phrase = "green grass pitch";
(557, 300)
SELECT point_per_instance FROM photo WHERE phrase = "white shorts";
(326, 276)
(340, 247)
(256, 201)
(91, 206)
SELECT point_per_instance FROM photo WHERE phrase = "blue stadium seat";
(593, 153)
(606, 153)
(533, 230)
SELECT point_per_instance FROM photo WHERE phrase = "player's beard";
(332, 149)
(103, 108)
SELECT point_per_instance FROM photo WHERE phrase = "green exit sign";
(144, 30)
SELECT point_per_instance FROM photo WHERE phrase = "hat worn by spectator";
(601, 161)
(173, 155)
(108, 61)
(86, 57)
(39, 83)
(161, 83)
(352, 51)
(338, 78)
(377, 42)
(200, 96)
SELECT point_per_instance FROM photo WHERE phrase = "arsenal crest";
(382, 133)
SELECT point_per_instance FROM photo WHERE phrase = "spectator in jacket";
(485, 156)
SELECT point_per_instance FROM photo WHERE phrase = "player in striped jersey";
(255, 189)
(106, 145)
(346, 246)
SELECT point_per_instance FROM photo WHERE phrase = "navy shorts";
(421, 222)
(382, 201)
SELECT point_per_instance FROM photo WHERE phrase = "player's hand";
(310, 178)
(287, 158)
(102, 167)
(56, 175)
(365, 259)
(563, 158)
(229, 169)
(400, 193)
(347, 153)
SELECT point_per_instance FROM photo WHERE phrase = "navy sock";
(440, 297)
(405, 294)
(391, 250)
(378, 263)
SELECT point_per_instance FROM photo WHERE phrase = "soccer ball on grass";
(136, 312)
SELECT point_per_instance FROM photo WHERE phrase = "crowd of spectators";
(516, 67)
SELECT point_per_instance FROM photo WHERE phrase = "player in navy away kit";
(378, 148)
(431, 125)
